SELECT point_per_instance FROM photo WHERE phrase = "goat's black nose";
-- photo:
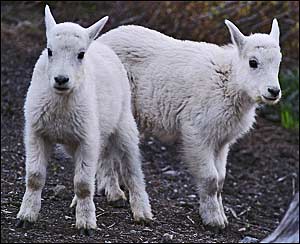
(61, 80)
(274, 91)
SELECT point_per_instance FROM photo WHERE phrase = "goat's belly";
(153, 116)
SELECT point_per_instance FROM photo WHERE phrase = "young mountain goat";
(79, 96)
(202, 92)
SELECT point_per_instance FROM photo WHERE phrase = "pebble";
(167, 237)
(58, 190)
(170, 172)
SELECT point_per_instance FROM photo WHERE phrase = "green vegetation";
(289, 106)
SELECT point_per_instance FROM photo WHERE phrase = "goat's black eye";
(49, 52)
(253, 63)
(80, 55)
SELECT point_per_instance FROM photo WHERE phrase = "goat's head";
(257, 63)
(66, 47)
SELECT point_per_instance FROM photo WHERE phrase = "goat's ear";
(49, 20)
(275, 31)
(95, 29)
(237, 37)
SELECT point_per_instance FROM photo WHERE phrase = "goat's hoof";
(86, 232)
(215, 229)
(143, 221)
(23, 224)
(121, 203)
(100, 193)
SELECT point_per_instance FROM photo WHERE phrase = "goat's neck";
(241, 101)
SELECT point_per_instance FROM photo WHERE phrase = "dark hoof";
(100, 193)
(214, 229)
(144, 222)
(121, 203)
(24, 224)
(86, 232)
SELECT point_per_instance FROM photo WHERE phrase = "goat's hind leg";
(108, 176)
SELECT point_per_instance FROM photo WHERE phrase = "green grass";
(289, 105)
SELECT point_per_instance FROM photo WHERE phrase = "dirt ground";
(261, 180)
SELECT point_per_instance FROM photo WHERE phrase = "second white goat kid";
(79, 97)
(202, 92)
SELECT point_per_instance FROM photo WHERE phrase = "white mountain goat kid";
(79, 96)
(202, 92)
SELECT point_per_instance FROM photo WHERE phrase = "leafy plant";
(289, 106)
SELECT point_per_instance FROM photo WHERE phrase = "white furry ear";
(49, 20)
(95, 29)
(275, 30)
(237, 37)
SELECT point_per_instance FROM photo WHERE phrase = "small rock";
(132, 232)
(170, 172)
(249, 239)
(165, 168)
(59, 190)
(167, 237)
(182, 202)
(242, 229)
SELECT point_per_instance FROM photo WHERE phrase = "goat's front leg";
(200, 158)
(84, 186)
(37, 155)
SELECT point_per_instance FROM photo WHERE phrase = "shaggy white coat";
(90, 115)
(204, 93)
